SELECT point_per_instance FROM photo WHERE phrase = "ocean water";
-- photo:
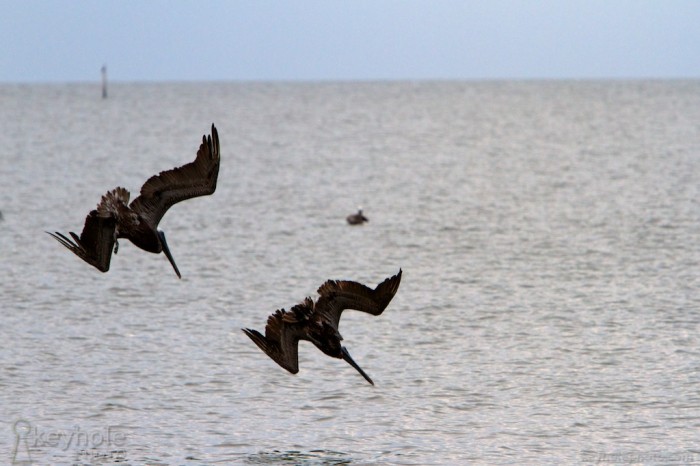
(548, 233)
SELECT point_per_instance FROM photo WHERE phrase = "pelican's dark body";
(115, 218)
(144, 237)
(318, 322)
(137, 229)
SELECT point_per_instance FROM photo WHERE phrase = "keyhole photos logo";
(32, 441)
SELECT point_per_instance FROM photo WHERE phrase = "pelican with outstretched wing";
(318, 322)
(115, 218)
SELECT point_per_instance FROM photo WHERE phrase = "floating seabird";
(358, 218)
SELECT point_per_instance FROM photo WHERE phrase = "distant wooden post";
(104, 81)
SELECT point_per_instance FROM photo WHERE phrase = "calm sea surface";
(548, 232)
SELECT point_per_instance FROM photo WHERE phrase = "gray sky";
(69, 40)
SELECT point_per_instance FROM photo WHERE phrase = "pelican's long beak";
(166, 250)
(346, 357)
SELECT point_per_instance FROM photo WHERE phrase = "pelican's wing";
(281, 340)
(194, 179)
(95, 243)
(338, 295)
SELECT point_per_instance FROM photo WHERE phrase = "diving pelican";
(318, 323)
(138, 222)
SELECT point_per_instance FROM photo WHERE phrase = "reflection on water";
(311, 457)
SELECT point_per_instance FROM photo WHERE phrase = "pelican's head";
(326, 338)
